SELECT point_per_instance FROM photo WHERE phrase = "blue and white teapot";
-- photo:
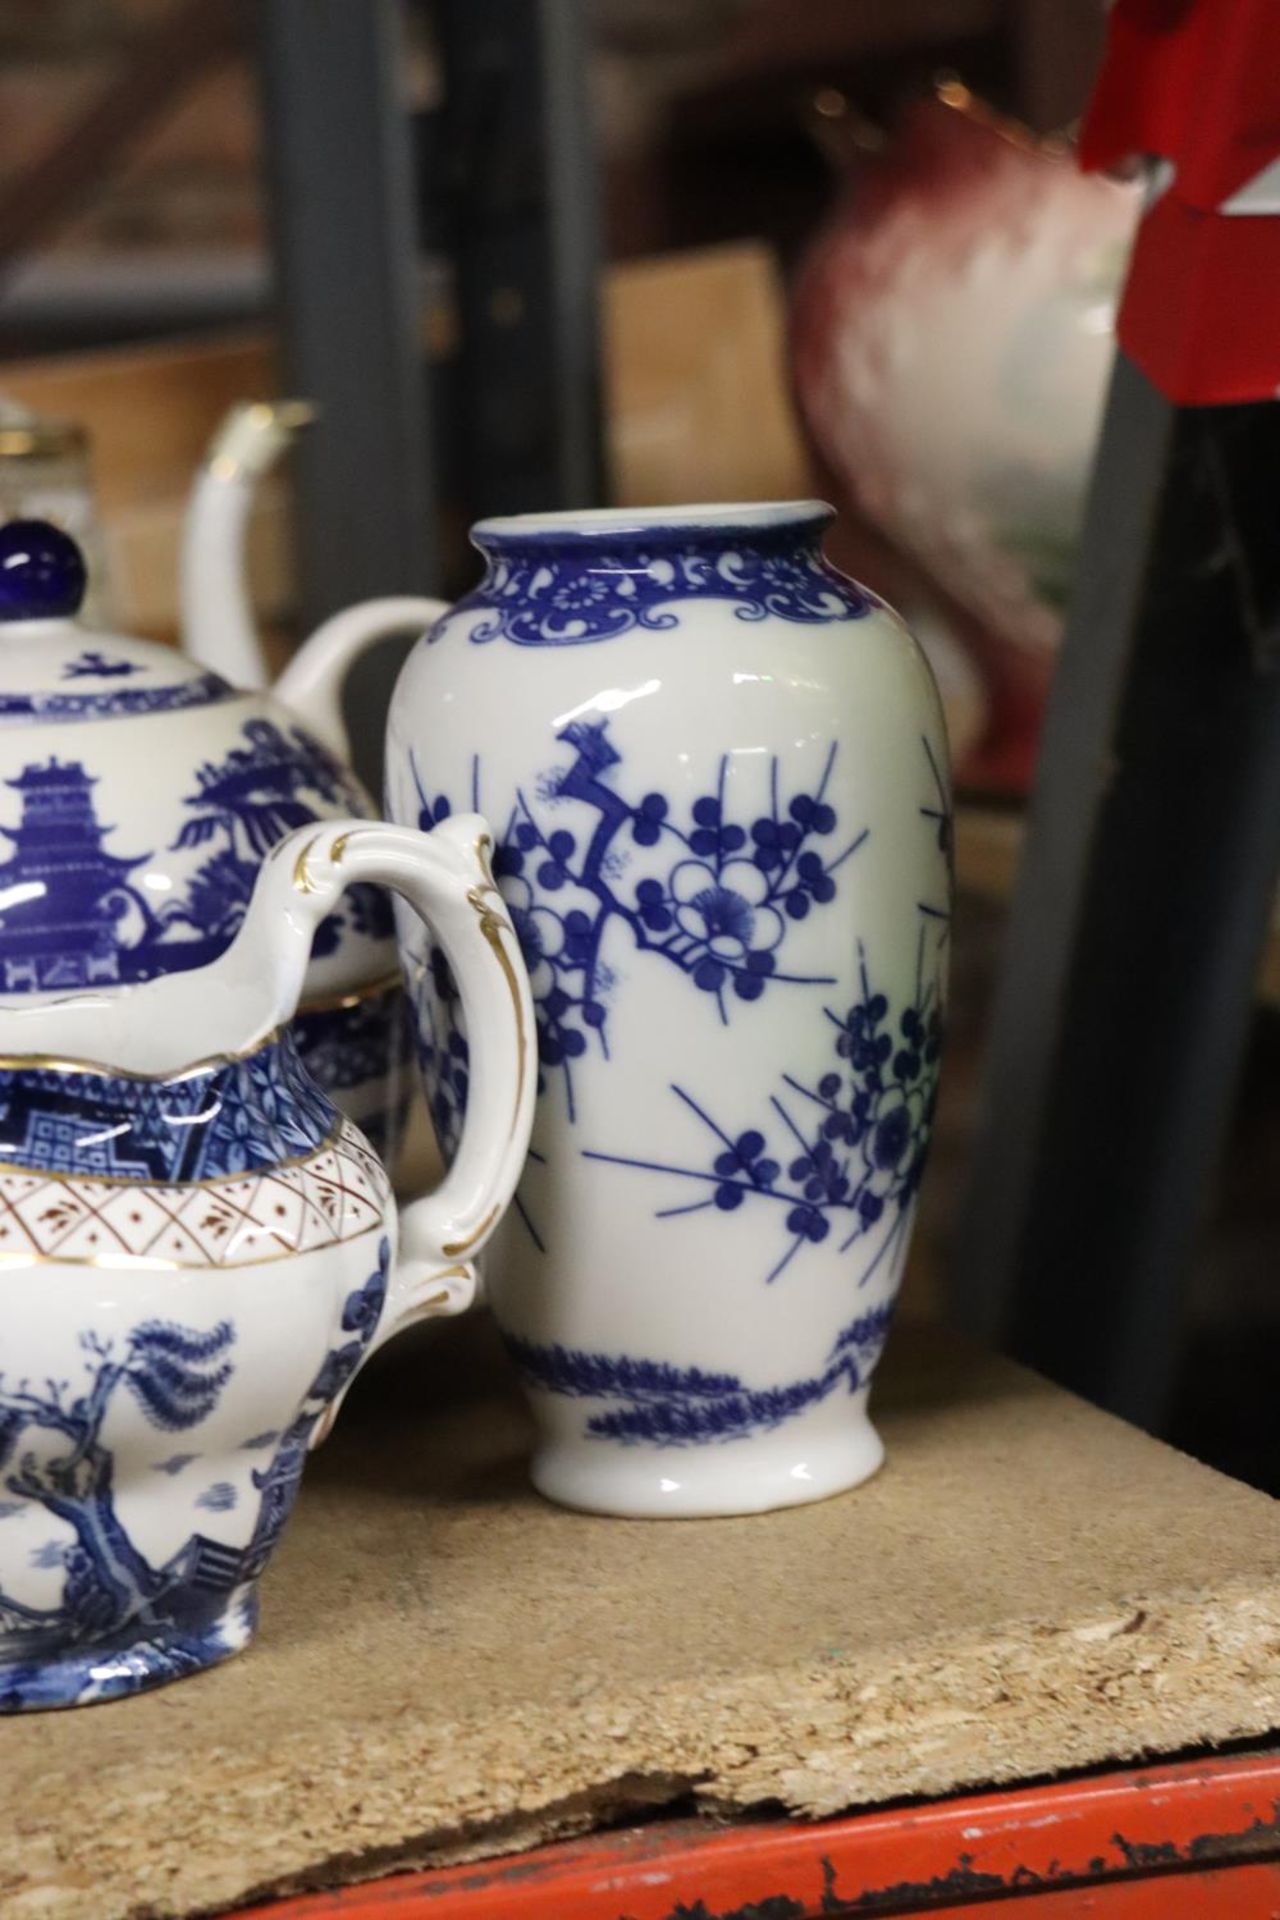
(139, 793)
(198, 1251)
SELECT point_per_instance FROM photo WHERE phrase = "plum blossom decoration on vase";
(843, 1153)
(709, 893)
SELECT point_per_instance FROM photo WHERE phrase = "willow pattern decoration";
(54, 1456)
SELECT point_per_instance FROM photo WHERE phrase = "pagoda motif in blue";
(69, 909)
(74, 910)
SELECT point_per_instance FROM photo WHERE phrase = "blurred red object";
(1197, 87)
(951, 342)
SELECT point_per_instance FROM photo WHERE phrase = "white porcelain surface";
(696, 1333)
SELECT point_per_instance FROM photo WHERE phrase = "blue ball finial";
(42, 574)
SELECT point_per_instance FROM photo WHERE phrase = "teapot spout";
(218, 626)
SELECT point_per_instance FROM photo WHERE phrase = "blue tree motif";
(176, 1374)
(218, 894)
(709, 894)
(242, 806)
(850, 1155)
(252, 797)
(110, 1592)
(662, 1405)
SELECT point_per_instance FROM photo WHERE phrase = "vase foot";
(110, 1670)
(791, 1469)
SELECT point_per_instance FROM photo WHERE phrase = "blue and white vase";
(139, 794)
(717, 772)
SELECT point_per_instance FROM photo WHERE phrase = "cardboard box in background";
(696, 398)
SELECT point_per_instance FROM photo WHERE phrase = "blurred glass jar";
(45, 474)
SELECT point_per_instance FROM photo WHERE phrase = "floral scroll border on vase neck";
(541, 591)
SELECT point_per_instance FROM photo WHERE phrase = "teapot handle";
(445, 877)
(312, 682)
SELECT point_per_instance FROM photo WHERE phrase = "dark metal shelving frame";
(510, 171)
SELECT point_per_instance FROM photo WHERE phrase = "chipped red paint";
(1131, 1845)
(1232, 1893)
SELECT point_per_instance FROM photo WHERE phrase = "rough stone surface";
(449, 1668)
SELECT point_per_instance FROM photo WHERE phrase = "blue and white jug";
(198, 1252)
(717, 771)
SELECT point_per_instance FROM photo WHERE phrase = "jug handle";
(313, 681)
(445, 877)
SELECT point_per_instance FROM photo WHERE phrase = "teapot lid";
(54, 668)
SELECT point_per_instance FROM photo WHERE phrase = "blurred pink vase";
(952, 337)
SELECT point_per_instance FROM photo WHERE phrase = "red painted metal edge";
(1227, 1893)
(964, 1853)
